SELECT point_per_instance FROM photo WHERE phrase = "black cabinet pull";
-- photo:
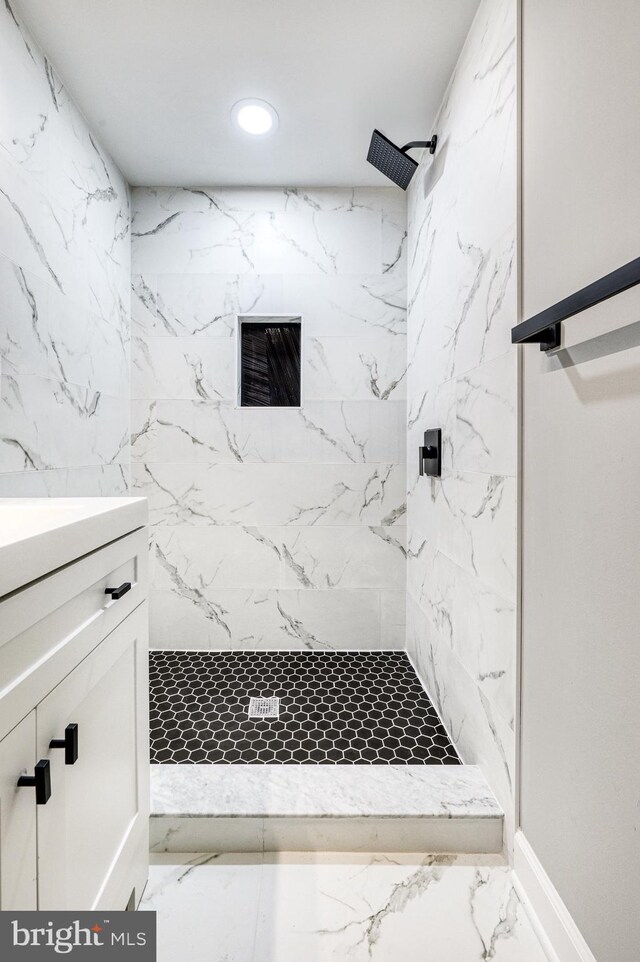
(117, 593)
(40, 780)
(69, 743)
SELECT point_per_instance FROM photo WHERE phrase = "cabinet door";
(92, 835)
(18, 818)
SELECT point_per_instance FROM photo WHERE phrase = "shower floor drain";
(264, 708)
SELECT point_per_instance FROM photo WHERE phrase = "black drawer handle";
(117, 593)
(40, 780)
(69, 743)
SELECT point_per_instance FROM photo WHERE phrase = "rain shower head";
(394, 162)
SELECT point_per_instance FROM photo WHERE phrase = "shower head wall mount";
(393, 161)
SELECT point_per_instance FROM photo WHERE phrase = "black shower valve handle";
(426, 451)
(69, 743)
(430, 453)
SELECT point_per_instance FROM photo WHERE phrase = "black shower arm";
(431, 144)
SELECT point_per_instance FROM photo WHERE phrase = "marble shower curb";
(340, 808)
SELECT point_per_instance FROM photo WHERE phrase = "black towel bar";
(544, 328)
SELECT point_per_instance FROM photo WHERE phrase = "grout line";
(287, 651)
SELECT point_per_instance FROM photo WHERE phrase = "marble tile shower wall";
(64, 288)
(462, 377)
(272, 528)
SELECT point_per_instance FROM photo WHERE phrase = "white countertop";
(38, 535)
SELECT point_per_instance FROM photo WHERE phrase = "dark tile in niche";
(270, 364)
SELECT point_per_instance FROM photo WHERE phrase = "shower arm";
(431, 144)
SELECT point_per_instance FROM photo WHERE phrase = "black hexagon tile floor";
(354, 708)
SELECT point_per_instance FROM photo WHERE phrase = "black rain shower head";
(393, 161)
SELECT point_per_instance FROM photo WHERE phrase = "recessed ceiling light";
(255, 117)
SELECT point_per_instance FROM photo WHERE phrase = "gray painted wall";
(580, 774)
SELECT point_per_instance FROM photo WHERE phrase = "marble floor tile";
(435, 910)
(288, 908)
(206, 907)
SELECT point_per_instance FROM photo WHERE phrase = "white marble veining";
(350, 306)
(321, 432)
(206, 305)
(330, 909)
(107, 480)
(461, 529)
(268, 618)
(479, 731)
(346, 808)
(184, 368)
(348, 367)
(236, 556)
(322, 791)
(354, 833)
(201, 305)
(269, 493)
(221, 239)
(230, 488)
(204, 917)
(64, 287)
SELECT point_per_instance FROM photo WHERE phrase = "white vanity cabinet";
(18, 855)
(94, 811)
(74, 718)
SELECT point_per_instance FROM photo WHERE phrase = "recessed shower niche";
(269, 368)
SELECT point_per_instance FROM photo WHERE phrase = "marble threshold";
(323, 808)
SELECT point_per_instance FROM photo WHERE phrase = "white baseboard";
(554, 926)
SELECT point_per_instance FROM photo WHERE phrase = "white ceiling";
(157, 80)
